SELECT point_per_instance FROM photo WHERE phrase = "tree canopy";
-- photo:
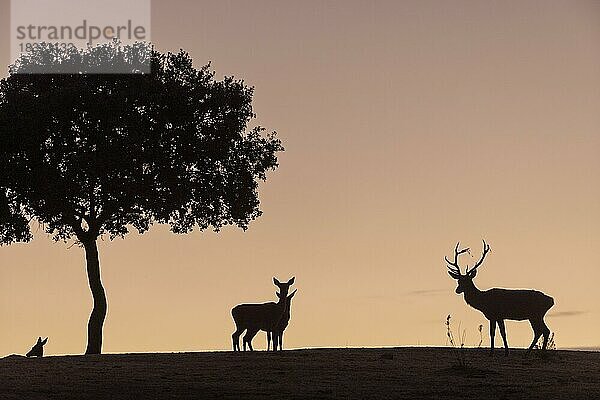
(99, 153)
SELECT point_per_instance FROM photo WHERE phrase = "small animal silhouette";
(280, 328)
(500, 304)
(38, 349)
(255, 317)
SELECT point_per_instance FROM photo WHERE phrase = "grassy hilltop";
(398, 373)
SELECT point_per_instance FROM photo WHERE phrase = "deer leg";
(537, 332)
(275, 340)
(503, 333)
(281, 341)
(245, 340)
(236, 339)
(248, 338)
(492, 334)
(546, 333)
(268, 340)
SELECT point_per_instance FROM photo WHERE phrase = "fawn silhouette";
(280, 328)
(500, 304)
(255, 317)
(38, 349)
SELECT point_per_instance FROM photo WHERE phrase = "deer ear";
(278, 294)
(276, 282)
(472, 274)
(292, 295)
(39, 339)
(45, 341)
(291, 281)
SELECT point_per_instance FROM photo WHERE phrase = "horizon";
(591, 349)
(407, 126)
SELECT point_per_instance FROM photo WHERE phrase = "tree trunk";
(96, 322)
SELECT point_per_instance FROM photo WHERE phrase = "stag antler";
(486, 249)
(453, 266)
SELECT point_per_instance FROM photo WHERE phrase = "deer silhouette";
(38, 349)
(280, 328)
(255, 317)
(501, 304)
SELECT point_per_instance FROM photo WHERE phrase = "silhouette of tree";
(89, 155)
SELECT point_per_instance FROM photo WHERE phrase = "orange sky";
(408, 125)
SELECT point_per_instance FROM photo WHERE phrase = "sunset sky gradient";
(408, 125)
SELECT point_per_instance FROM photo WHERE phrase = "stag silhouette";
(255, 317)
(501, 304)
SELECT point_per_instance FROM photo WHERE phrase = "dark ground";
(399, 373)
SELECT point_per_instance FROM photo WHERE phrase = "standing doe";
(500, 304)
(283, 323)
(255, 317)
